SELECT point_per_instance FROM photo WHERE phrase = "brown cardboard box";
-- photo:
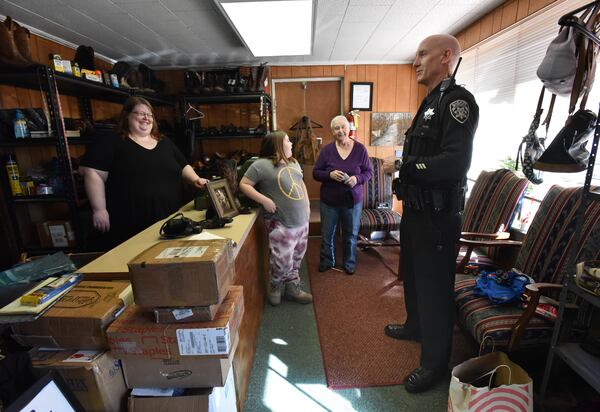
(186, 314)
(197, 400)
(135, 334)
(55, 233)
(183, 273)
(95, 378)
(193, 372)
(79, 319)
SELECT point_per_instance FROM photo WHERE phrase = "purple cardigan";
(356, 164)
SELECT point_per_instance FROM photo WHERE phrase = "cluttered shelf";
(251, 97)
(593, 299)
(29, 78)
(585, 364)
(42, 141)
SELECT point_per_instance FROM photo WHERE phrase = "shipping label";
(182, 252)
(214, 341)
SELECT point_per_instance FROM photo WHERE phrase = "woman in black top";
(133, 179)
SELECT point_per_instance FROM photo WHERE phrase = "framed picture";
(361, 96)
(387, 129)
(221, 198)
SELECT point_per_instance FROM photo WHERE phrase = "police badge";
(459, 109)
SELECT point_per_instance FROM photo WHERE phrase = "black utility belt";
(418, 198)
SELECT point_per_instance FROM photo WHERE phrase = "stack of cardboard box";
(182, 331)
(76, 328)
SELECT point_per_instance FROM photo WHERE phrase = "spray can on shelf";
(21, 129)
(12, 170)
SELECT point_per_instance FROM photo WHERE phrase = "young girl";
(275, 182)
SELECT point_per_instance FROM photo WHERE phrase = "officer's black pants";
(428, 241)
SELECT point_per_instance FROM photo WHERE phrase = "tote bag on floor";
(488, 383)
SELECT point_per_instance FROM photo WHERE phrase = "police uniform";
(436, 158)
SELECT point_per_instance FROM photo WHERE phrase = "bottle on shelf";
(12, 170)
(20, 124)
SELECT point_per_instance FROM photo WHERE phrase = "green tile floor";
(288, 373)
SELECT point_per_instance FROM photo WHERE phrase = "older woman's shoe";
(422, 379)
(323, 267)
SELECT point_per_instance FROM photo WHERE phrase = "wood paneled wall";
(395, 89)
(502, 17)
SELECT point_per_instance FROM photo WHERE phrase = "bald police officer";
(436, 158)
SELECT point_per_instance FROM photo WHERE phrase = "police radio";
(450, 81)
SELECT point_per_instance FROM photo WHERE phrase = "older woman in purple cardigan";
(342, 168)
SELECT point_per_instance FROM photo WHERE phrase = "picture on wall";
(387, 129)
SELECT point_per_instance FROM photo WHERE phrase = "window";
(501, 73)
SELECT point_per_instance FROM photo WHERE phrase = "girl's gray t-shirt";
(283, 185)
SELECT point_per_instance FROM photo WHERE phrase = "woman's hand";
(269, 205)
(200, 182)
(101, 220)
(351, 181)
(338, 175)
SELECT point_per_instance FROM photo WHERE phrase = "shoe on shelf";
(422, 379)
(401, 332)
(275, 294)
(324, 268)
(295, 293)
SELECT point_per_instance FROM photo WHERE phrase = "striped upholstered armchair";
(490, 209)
(376, 217)
(544, 255)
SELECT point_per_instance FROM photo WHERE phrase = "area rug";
(351, 312)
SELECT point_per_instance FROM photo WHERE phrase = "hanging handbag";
(532, 146)
(559, 66)
(490, 381)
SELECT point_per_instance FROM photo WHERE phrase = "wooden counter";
(251, 267)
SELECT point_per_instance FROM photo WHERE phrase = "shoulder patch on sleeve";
(459, 109)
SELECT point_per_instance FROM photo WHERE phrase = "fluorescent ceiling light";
(272, 28)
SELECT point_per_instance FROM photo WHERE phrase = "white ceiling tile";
(362, 14)
(193, 32)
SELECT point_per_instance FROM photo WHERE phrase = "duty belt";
(417, 198)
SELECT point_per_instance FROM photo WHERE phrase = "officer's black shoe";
(400, 332)
(421, 379)
(324, 268)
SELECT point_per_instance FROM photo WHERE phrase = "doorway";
(320, 99)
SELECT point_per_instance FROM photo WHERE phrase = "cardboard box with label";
(183, 273)
(95, 378)
(55, 233)
(186, 314)
(135, 334)
(197, 400)
(79, 319)
(192, 372)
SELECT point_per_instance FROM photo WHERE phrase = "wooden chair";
(489, 212)
(377, 214)
(543, 255)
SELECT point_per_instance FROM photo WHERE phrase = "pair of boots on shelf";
(14, 44)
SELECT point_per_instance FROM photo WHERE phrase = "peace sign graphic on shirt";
(288, 185)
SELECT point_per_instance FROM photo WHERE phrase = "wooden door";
(321, 101)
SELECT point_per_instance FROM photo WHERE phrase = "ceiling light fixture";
(273, 27)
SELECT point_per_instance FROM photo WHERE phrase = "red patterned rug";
(351, 312)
